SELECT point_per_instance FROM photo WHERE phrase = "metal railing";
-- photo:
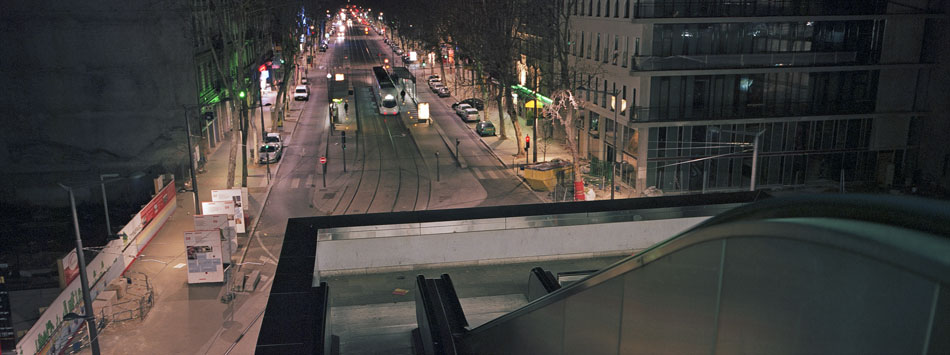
(651, 114)
(746, 8)
(759, 60)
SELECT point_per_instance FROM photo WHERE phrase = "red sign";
(261, 68)
(323, 160)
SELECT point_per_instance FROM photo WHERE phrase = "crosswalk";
(490, 173)
(301, 182)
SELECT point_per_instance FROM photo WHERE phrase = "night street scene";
(475, 177)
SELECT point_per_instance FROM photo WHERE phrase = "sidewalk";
(188, 319)
(506, 149)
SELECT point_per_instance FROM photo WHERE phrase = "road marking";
(309, 180)
(178, 266)
(478, 174)
(295, 183)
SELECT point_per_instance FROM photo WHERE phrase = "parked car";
(435, 76)
(436, 86)
(469, 115)
(460, 108)
(270, 153)
(444, 92)
(476, 103)
(305, 81)
(273, 138)
(302, 92)
(485, 128)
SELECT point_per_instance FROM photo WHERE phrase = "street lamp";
(83, 278)
(105, 201)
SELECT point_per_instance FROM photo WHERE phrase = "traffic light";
(527, 142)
(241, 94)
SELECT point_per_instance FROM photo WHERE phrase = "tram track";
(374, 133)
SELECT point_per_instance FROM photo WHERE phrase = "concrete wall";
(89, 87)
(380, 254)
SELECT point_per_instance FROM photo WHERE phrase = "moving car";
(435, 86)
(485, 128)
(305, 81)
(270, 153)
(302, 92)
(443, 92)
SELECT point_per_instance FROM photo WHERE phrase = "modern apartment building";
(820, 91)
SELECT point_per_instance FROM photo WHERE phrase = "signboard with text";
(224, 207)
(203, 256)
(209, 222)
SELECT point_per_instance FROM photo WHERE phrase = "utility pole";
(191, 164)
(438, 173)
(613, 162)
(260, 95)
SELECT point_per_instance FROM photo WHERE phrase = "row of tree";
(499, 39)
(243, 35)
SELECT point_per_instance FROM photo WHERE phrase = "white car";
(302, 92)
(273, 138)
(469, 114)
(270, 153)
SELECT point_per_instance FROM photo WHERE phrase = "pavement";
(213, 326)
(505, 148)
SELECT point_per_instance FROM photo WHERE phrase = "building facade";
(821, 92)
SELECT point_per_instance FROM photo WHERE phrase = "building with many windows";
(819, 91)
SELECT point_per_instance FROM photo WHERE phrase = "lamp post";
(83, 278)
(105, 201)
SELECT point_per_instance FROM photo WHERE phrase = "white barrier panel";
(49, 334)
(370, 253)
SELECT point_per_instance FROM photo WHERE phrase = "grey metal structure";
(824, 274)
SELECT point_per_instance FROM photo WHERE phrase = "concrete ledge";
(486, 247)
(505, 261)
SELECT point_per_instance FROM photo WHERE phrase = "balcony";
(730, 61)
(791, 109)
(751, 8)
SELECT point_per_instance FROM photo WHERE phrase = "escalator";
(808, 274)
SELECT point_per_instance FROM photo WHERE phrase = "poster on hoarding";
(203, 250)
(209, 222)
(69, 268)
(224, 207)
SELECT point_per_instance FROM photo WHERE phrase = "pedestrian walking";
(403, 93)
